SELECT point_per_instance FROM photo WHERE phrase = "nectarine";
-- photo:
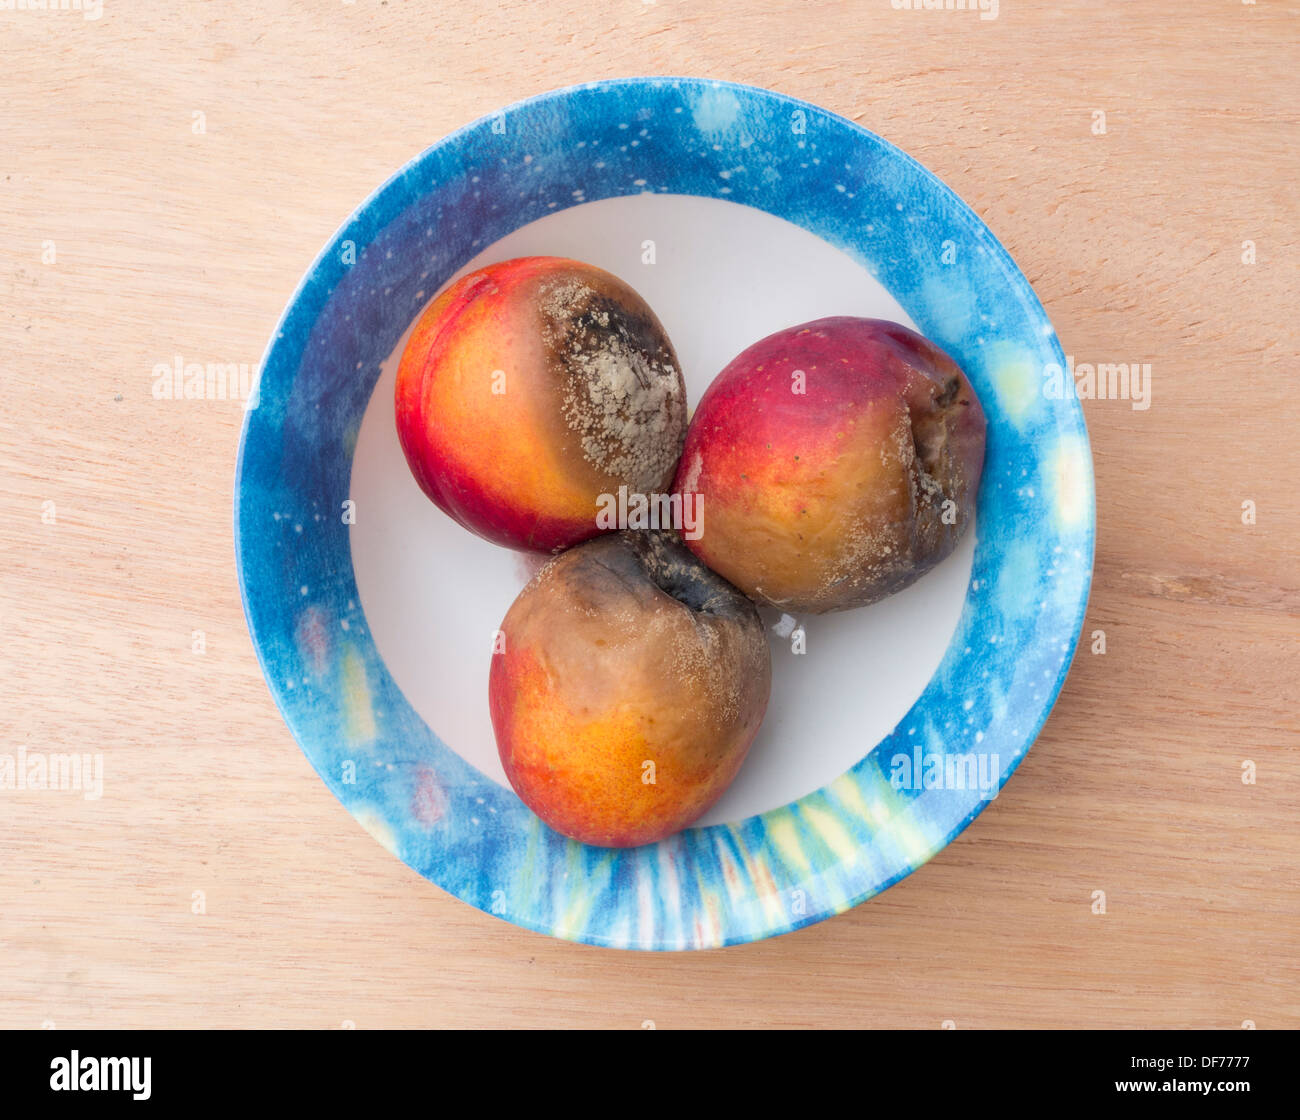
(630, 685)
(530, 388)
(837, 461)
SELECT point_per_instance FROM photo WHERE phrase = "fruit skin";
(529, 388)
(835, 497)
(621, 652)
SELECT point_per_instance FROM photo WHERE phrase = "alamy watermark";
(1104, 381)
(90, 10)
(630, 510)
(88, 1074)
(962, 770)
(35, 770)
(179, 380)
(988, 9)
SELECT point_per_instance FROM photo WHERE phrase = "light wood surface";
(170, 241)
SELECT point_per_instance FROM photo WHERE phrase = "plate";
(734, 211)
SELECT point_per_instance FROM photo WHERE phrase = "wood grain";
(171, 242)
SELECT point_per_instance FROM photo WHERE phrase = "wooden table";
(169, 171)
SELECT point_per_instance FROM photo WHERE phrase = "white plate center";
(720, 276)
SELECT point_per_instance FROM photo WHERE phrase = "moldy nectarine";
(631, 684)
(531, 387)
(837, 461)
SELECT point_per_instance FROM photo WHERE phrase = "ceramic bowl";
(735, 211)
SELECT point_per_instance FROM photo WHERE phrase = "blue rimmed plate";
(735, 211)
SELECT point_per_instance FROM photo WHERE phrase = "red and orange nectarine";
(837, 461)
(531, 387)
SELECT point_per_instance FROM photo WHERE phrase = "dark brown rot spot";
(594, 321)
